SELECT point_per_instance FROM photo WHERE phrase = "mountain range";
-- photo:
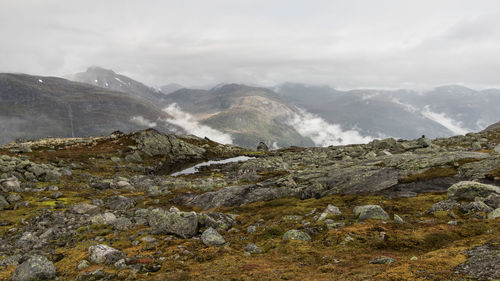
(99, 101)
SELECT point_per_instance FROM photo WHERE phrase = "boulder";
(494, 214)
(183, 224)
(36, 267)
(262, 147)
(83, 208)
(469, 190)
(497, 149)
(106, 218)
(211, 237)
(294, 234)
(102, 254)
(382, 260)
(10, 185)
(370, 212)
(120, 202)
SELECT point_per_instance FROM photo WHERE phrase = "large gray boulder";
(183, 224)
(211, 237)
(102, 254)
(35, 268)
(295, 234)
(468, 190)
(370, 212)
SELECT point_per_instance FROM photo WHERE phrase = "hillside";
(35, 106)
(249, 114)
(108, 208)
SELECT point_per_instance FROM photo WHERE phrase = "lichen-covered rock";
(3, 203)
(262, 147)
(120, 202)
(398, 219)
(494, 214)
(106, 218)
(102, 254)
(252, 248)
(10, 185)
(468, 190)
(446, 205)
(482, 263)
(211, 237)
(183, 224)
(382, 260)
(295, 234)
(217, 220)
(370, 212)
(83, 208)
(36, 267)
(329, 210)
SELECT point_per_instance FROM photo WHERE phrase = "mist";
(323, 133)
(190, 125)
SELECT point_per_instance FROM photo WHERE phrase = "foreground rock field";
(108, 209)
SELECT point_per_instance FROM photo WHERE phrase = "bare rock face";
(482, 263)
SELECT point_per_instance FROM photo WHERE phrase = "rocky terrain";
(108, 208)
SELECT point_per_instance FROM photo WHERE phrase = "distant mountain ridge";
(36, 106)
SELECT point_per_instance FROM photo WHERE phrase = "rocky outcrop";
(183, 224)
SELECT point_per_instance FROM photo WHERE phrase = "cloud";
(139, 120)
(323, 133)
(190, 125)
(360, 43)
(448, 122)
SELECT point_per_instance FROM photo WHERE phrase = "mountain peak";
(100, 70)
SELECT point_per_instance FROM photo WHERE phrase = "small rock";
(56, 195)
(106, 218)
(497, 149)
(329, 210)
(382, 260)
(211, 237)
(398, 219)
(494, 214)
(251, 229)
(83, 208)
(122, 223)
(3, 203)
(120, 202)
(294, 234)
(252, 248)
(35, 268)
(134, 157)
(262, 147)
(370, 212)
(104, 254)
(414, 258)
(83, 264)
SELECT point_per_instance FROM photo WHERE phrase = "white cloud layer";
(346, 44)
(453, 125)
(323, 133)
(139, 120)
(190, 125)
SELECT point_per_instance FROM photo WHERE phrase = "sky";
(340, 43)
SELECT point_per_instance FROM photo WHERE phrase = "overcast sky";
(344, 43)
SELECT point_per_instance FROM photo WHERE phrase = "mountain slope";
(110, 80)
(249, 114)
(440, 112)
(34, 106)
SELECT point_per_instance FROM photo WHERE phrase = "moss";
(273, 231)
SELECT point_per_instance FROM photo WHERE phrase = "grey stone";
(183, 224)
(3, 203)
(252, 248)
(35, 268)
(122, 223)
(211, 237)
(120, 202)
(329, 210)
(262, 147)
(494, 214)
(134, 157)
(382, 260)
(370, 212)
(83, 208)
(469, 190)
(106, 218)
(398, 219)
(102, 254)
(295, 234)
(252, 229)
